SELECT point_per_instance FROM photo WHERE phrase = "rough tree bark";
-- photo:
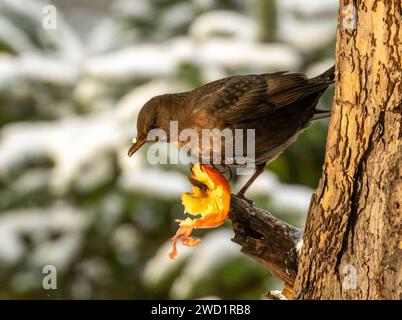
(353, 237)
(352, 244)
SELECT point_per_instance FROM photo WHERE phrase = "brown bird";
(278, 106)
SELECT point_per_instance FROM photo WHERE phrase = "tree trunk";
(353, 237)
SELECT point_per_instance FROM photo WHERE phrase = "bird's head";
(153, 115)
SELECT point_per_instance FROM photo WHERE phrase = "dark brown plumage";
(277, 105)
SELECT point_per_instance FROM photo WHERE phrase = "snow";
(36, 67)
(308, 35)
(291, 198)
(151, 60)
(265, 183)
(20, 41)
(177, 15)
(317, 68)
(76, 142)
(283, 197)
(232, 53)
(307, 25)
(62, 42)
(218, 23)
(155, 182)
(125, 241)
(141, 61)
(71, 143)
(214, 250)
(159, 267)
(33, 179)
(133, 9)
(277, 295)
(311, 7)
(57, 252)
(299, 246)
(37, 223)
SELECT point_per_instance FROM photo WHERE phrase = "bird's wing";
(248, 97)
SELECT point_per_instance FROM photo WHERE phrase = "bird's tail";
(326, 76)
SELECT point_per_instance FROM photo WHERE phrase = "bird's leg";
(225, 168)
(321, 114)
(258, 171)
(213, 165)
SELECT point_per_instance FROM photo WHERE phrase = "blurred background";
(73, 77)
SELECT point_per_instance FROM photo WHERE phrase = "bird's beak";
(137, 143)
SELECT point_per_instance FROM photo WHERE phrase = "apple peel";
(209, 199)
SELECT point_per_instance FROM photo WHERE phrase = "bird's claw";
(243, 197)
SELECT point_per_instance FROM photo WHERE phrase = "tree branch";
(266, 239)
